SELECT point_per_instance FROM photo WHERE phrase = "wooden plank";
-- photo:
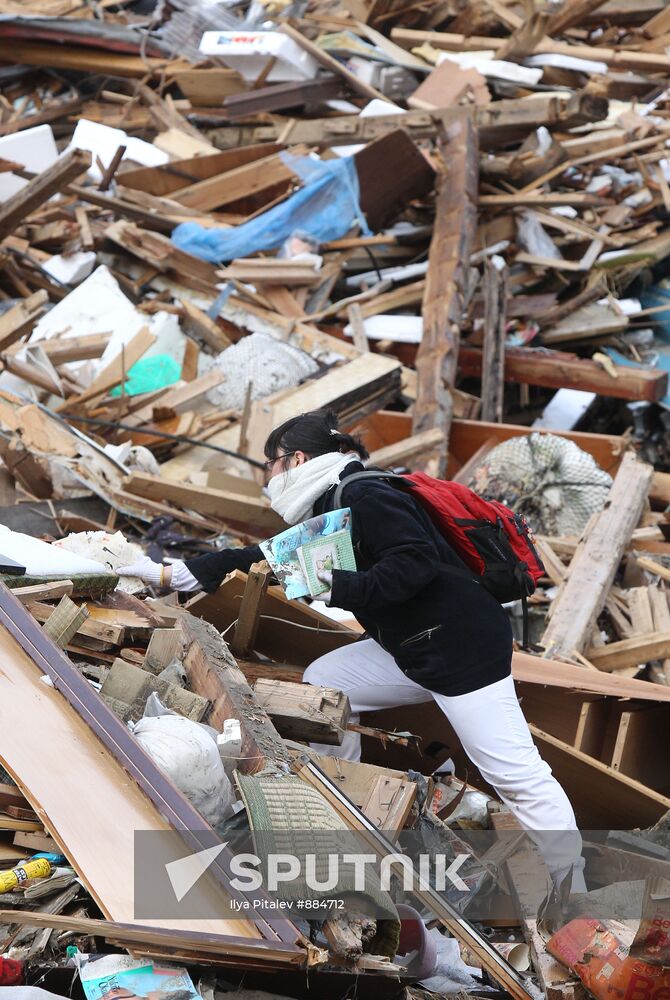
(332, 64)
(630, 652)
(560, 369)
(592, 569)
(568, 676)
(246, 180)
(244, 513)
(451, 245)
(101, 631)
(19, 825)
(64, 621)
(199, 323)
(621, 57)
(44, 592)
(406, 451)
(637, 751)
(304, 711)
(247, 624)
(354, 778)
(493, 354)
(146, 938)
(10, 795)
(164, 646)
(602, 798)
(282, 95)
(497, 122)
(389, 803)
(41, 187)
(21, 318)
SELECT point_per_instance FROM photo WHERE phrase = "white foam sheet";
(103, 141)
(98, 305)
(399, 329)
(34, 148)
(42, 559)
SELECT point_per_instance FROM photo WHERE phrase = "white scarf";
(293, 493)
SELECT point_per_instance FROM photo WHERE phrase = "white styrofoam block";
(399, 329)
(73, 268)
(34, 148)
(42, 559)
(564, 409)
(248, 52)
(98, 305)
(103, 141)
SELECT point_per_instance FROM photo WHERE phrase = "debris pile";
(449, 223)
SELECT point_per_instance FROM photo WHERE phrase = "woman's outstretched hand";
(326, 577)
(148, 571)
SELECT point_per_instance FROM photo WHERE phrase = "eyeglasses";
(271, 461)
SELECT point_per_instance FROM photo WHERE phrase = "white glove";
(181, 577)
(326, 577)
(147, 570)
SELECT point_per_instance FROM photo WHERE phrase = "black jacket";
(411, 592)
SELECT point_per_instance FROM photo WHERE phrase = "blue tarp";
(326, 207)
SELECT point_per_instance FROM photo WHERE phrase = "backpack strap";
(367, 474)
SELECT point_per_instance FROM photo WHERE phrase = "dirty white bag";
(189, 756)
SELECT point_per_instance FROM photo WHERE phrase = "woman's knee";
(320, 672)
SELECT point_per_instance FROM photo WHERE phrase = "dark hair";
(315, 433)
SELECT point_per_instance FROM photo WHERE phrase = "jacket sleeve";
(210, 569)
(403, 555)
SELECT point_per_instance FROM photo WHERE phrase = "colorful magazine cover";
(119, 977)
(281, 551)
(326, 554)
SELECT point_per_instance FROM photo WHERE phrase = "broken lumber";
(241, 512)
(493, 354)
(593, 567)
(304, 711)
(450, 248)
(561, 370)
(41, 187)
(632, 652)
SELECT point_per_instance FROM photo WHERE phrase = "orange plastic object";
(603, 963)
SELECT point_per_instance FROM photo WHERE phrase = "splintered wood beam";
(495, 321)
(450, 249)
(632, 652)
(332, 64)
(240, 512)
(620, 57)
(247, 624)
(21, 318)
(563, 370)
(41, 187)
(596, 561)
(212, 672)
(497, 123)
(304, 711)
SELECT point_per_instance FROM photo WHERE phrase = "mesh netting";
(548, 479)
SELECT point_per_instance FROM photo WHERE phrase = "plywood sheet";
(84, 797)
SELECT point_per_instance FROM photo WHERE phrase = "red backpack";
(493, 541)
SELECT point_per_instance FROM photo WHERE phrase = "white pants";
(492, 730)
